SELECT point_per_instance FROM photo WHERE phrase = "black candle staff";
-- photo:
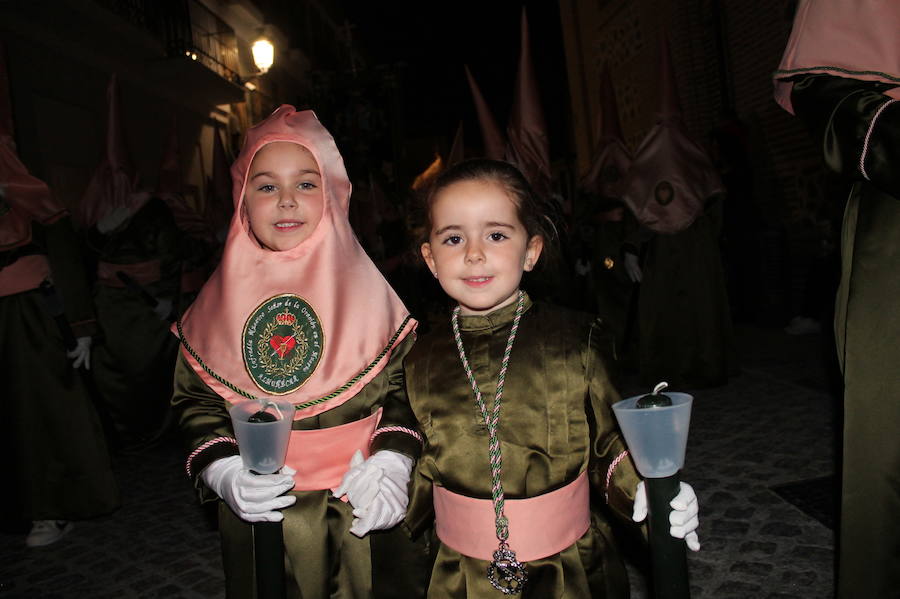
(656, 427)
(268, 537)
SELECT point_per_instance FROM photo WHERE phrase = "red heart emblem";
(282, 345)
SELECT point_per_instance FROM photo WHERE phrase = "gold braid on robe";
(556, 422)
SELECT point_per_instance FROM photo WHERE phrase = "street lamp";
(263, 54)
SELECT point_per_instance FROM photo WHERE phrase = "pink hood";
(858, 39)
(360, 316)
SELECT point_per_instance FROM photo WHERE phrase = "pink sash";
(538, 526)
(322, 456)
(25, 274)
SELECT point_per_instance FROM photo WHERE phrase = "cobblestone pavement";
(771, 425)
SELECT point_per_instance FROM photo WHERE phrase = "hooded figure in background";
(135, 242)
(609, 221)
(58, 466)
(840, 75)
(339, 335)
(672, 188)
(197, 243)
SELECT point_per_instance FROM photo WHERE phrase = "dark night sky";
(435, 40)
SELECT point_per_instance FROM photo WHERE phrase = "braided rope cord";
(305, 404)
(865, 148)
(836, 69)
(492, 420)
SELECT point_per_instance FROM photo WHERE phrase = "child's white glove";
(81, 353)
(683, 518)
(633, 267)
(377, 490)
(253, 497)
(163, 308)
(113, 219)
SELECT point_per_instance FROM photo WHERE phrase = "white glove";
(113, 219)
(163, 308)
(81, 353)
(683, 518)
(253, 497)
(632, 268)
(377, 490)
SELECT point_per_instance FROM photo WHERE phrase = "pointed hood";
(857, 39)
(457, 150)
(112, 185)
(529, 147)
(219, 207)
(171, 190)
(6, 113)
(23, 197)
(322, 306)
(494, 144)
(170, 178)
(669, 102)
(425, 178)
(608, 125)
(671, 176)
(611, 158)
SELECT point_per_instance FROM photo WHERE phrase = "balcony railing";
(188, 29)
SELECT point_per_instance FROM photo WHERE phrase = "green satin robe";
(684, 322)
(612, 287)
(556, 422)
(839, 112)
(132, 361)
(59, 467)
(322, 558)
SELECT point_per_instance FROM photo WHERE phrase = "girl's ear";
(428, 257)
(533, 252)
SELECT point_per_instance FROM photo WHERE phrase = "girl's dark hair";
(532, 209)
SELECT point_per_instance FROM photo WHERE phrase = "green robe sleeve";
(606, 441)
(64, 255)
(839, 112)
(397, 412)
(202, 418)
(166, 244)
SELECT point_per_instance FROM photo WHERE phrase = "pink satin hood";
(611, 159)
(113, 182)
(858, 39)
(27, 199)
(358, 311)
(668, 165)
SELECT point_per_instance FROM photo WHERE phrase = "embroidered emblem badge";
(664, 193)
(282, 344)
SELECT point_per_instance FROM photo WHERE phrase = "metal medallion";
(506, 573)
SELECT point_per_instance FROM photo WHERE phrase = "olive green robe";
(59, 467)
(839, 112)
(685, 331)
(132, 362)
(556, 422)
(322, 558)
(614, 291)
